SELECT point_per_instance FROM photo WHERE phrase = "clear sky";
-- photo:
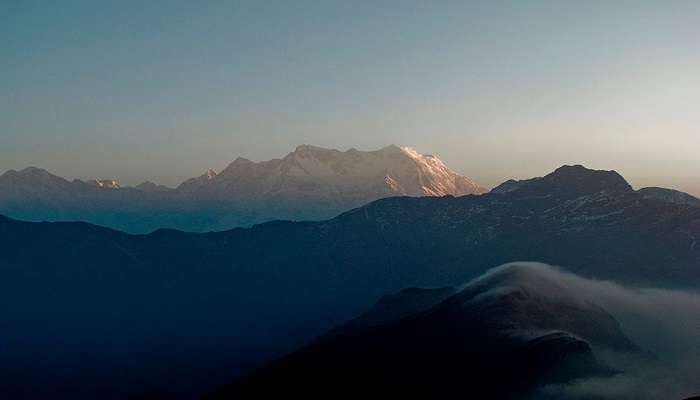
(498, 89)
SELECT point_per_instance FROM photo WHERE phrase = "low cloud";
(665, 323)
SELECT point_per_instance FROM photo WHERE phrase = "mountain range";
(310, 183)
(187, 311)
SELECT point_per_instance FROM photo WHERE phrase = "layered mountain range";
(309, 183)
(186, 311)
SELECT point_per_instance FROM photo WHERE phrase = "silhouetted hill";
(502, 336)
(396, 306)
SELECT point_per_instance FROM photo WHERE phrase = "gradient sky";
(498, 89)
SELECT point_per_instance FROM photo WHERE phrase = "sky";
(162, 91)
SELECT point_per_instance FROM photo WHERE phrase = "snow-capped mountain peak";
(203, 180)
(308, 183)
(436, 179)
(106, 183)
(346, 176)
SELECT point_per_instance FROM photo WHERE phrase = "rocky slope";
(670, 195)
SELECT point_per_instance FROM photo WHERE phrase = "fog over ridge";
(663, 322)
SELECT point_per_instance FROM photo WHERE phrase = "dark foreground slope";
(185, 311)
(502, 336)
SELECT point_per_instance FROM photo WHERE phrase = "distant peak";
(241, 160)
(237, 163)
(413, 153)
(210, 174)
(146, 186)
(307, 148)
(410, 151)
(203, 179)
(582, 173)
(347, 175)
(34, 171)
(303, 148)
(571, 169)
(392, 147)
(568, 181)
(149, 186)
(106, 183)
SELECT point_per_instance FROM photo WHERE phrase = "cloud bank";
(664, 323)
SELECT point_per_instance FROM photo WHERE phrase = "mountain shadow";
(501, 336)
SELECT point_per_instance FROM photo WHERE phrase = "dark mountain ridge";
(670, 195)
(501, 336)
(217, 304)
